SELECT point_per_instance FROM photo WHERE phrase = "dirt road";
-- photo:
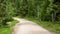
(28, 27)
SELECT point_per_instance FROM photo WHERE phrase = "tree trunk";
(53, 16)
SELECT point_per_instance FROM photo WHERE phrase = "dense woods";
(43, 10)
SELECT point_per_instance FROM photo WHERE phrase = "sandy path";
(28, 27)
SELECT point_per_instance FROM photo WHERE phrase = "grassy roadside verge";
(53, 27)
(8, 28)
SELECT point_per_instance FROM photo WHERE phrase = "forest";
(42, 10)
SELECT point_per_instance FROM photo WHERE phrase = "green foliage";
(8, 28)
(43, 10)
(5, 12)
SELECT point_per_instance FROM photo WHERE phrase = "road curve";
(28, 27)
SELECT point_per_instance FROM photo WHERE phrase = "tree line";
(43, 10)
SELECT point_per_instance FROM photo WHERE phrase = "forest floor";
(28, 27)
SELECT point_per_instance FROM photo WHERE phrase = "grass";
(53, 27)
(8, 28)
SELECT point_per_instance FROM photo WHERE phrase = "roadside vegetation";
(8, 29)
(45, 12)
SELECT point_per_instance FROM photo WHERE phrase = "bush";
(3, 21)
